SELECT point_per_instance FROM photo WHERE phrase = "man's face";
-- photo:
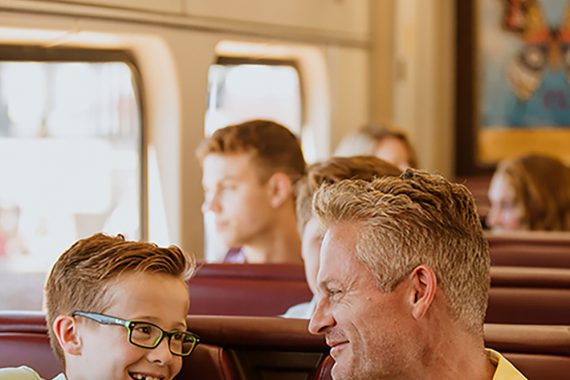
(234, 193)
(105, 350)
(365, 327)
(311, 248)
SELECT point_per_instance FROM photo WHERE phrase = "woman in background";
(530, 193)
(387, 144)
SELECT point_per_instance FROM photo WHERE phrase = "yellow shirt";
(505, 370)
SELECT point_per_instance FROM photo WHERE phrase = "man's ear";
(280, 189)
(65, 329)
(423, 287)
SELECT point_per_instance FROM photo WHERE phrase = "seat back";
(529, 296)
(539, 352)
(247, 289)
(30, 349)
(530, 249)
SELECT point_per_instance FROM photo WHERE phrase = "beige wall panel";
(164, 6)
(348, 70)
(336, 16)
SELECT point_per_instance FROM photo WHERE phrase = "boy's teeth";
(138, 376)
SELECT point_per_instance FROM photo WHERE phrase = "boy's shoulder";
(23, 373)
(20, 373)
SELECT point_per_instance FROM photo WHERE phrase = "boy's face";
(238, 199)
(105, 351)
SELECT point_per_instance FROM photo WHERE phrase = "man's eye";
(334, 293)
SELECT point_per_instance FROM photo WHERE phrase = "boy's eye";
(178, 336)
(144, 329)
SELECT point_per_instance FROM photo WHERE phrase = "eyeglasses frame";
(128, 324)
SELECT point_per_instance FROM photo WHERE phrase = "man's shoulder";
(504, 369)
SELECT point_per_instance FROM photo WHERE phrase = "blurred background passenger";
(249, 175)
(530, 193)
(330, 171)
(386, 143)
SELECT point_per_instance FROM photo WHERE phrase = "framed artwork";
(513, 80)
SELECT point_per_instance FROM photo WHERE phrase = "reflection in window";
(70, 153)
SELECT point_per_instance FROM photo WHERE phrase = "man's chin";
(341, 370)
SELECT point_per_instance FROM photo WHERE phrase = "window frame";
(31, 53)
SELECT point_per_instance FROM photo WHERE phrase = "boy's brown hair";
(273, 147)
(81, 277)
(331, 171)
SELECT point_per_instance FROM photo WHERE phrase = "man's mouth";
(144, 376)
(337, 347)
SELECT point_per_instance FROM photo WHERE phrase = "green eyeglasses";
(148, 335)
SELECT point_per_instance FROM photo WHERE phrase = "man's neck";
(458, 355)
(280, 244)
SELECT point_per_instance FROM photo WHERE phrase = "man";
(249, 172)
(332, 170)
(403, 281)
(117, 309)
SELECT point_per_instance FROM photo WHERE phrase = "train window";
(70, 159)
(242, 89)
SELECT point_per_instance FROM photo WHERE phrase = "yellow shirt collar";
(505, 370)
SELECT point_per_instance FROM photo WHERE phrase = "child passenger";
(117, 309)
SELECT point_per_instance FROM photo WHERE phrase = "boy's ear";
(65, 329)
(280, 189)
(423, 287)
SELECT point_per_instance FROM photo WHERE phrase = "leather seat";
(247, 289)
(529, 296)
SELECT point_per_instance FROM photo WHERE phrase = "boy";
(117, 310)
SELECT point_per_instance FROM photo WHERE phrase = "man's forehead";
(227, 166)
(338, 248)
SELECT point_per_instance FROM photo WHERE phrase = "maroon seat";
(539, 352)
(247, 289)
(529, 296)
(30, 349)
(530, 249)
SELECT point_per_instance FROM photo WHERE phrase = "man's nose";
(321, 320)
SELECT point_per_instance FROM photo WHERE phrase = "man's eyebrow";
(326, 283)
